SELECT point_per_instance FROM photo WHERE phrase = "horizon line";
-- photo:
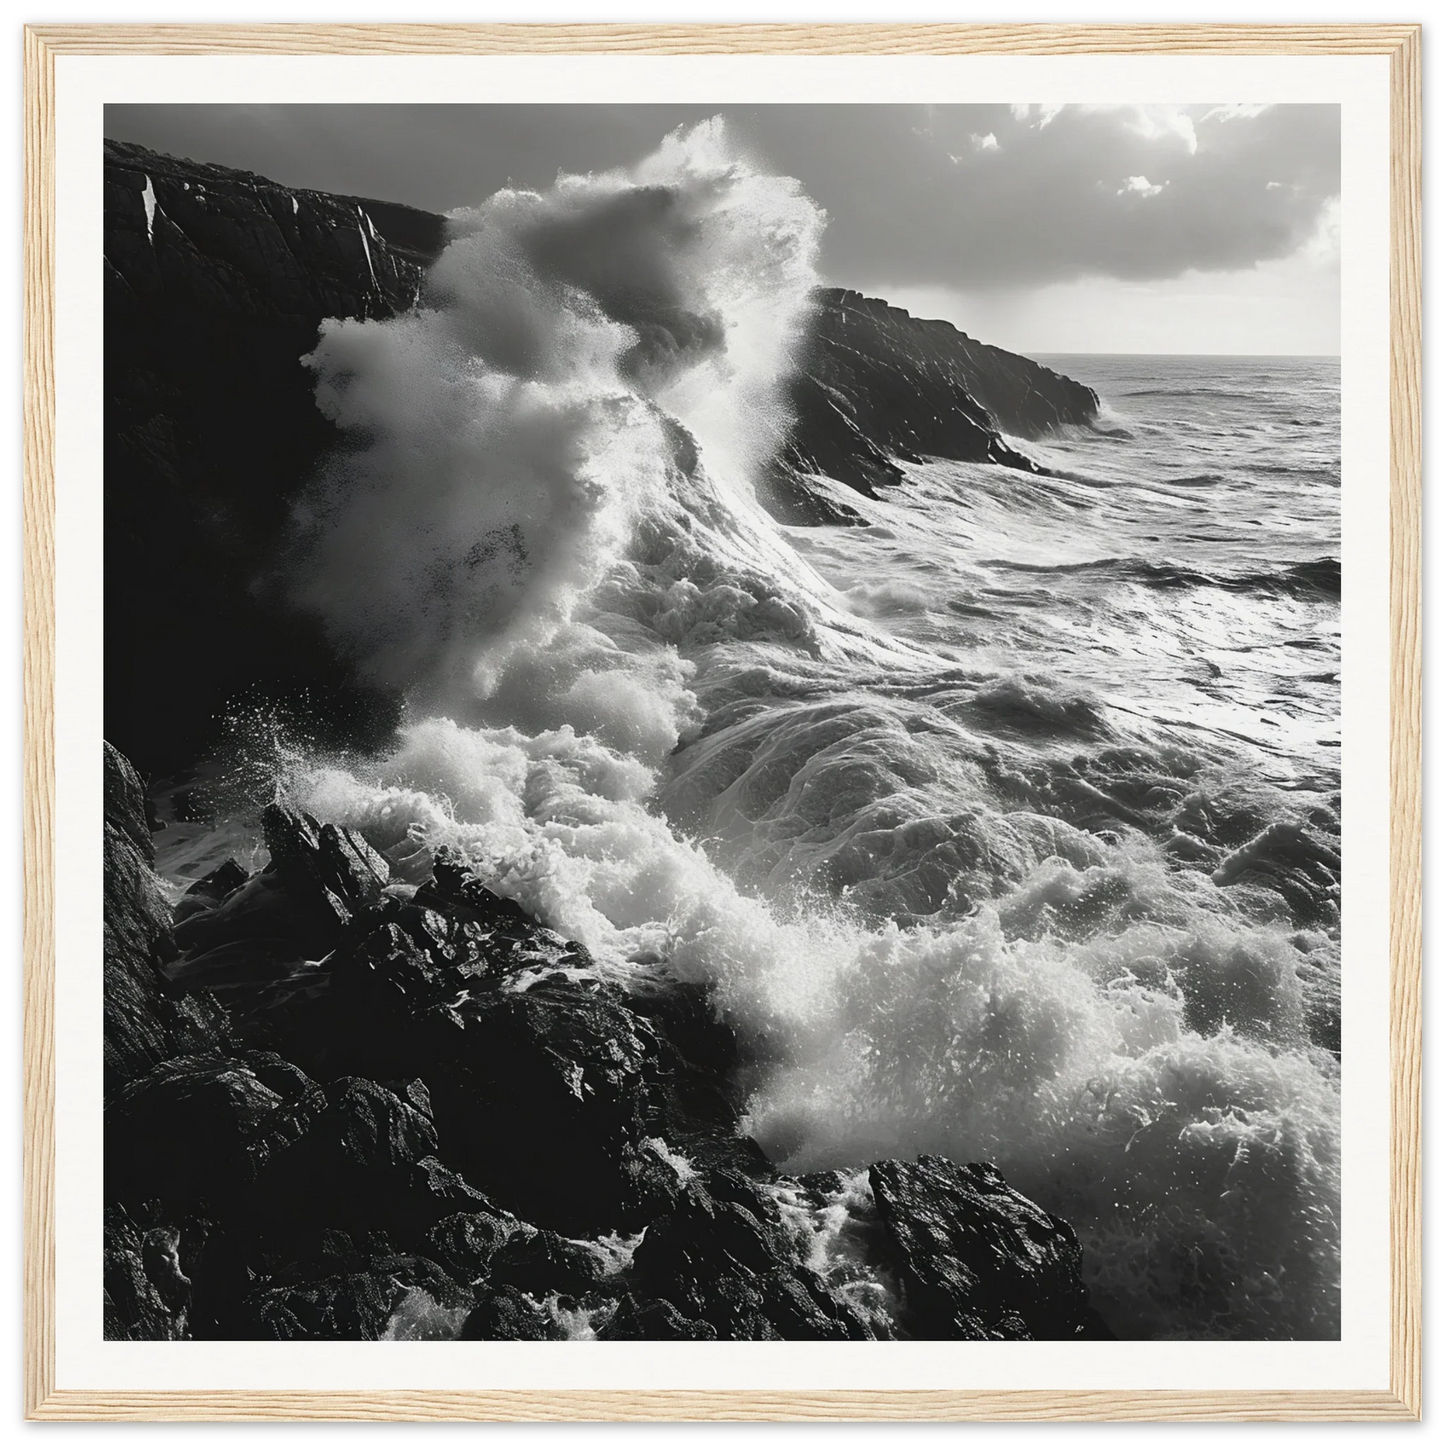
(1256, 355)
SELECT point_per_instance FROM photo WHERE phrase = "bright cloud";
(1035, 116)
(1234, 112)
(1139, 186)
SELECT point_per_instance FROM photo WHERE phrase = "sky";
(1042, 229)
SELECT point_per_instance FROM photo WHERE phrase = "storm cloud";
(960, 196)
(1023, 195)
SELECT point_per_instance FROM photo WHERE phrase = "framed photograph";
(723, 722)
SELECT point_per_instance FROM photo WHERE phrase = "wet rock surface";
(976, 1260)
(147, 1297)
(146, 1019)
(875, 386)
(506, 1313)
(342, 1291)
(447, 1130)
(723, 1256)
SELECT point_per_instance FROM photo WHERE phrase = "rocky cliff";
(876, 386)
(216, 284)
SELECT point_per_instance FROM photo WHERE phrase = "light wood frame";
(1401, 43)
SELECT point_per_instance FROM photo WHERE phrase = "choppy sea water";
(1005, 826)
(1184, 568)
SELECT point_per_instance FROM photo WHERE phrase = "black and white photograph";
(722, 722)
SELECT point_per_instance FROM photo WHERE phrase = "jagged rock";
(538, 1094)
(260, 908)
(381, 1128)
(361, 1150)
(205, 893)
(145, 1020)
(389, 971)
(422, 948)
(333, 871)
(448, 1189)
(480, 923)
(147, 1296)
(653, 1320)
(696, 1089)
(538, 1097)
(508, 1314)
(268, 932)
(724, 1256)
(160, 1253)
(203, 1127)
(651, 1179)
(124, 804)
(219, 882)
(223, 239)
(344, 1291)
(369, 1162)
(730, 1152)
(466, 1243)
(454, 887)
(258, 968)
(976, 1259)
(875, 384)
(247, 1201)
(789, 492)
(404, 960)
(348, 1307)
(542, 1263)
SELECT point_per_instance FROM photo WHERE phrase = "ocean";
(1004, 826)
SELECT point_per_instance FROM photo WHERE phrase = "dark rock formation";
(197, 1131)
(533, 1089)
(466, 1243)
(1014, 394)
(344, 1291)
(369, 1163)
(543, 1263)
(875, 385)
(976, 1260)
(723, 1256)
(508, 1314)
(656, 1320)
(146, 1019)
(147, 1297)
(268, 929)
(216, 284)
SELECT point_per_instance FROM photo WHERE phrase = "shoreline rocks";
(431, 1130)
(875, 386)
(147, 1019)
